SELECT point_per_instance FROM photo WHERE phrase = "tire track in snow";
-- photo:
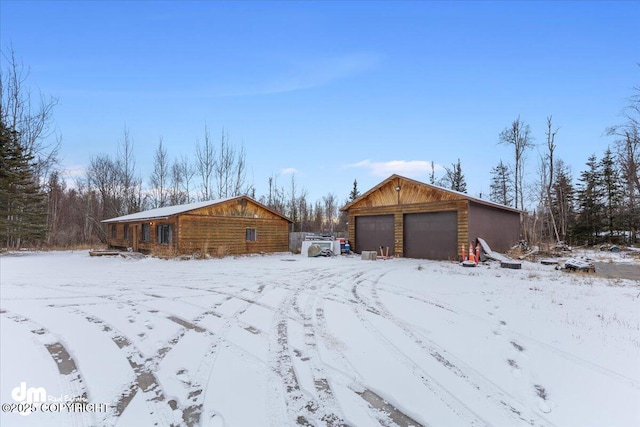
(201, 378)
(566, 355)
(146, 380)
(398, 417)
(384, 413)
(193, 413)
(494, 392)
(374, 400)
(190, 413)
(457, 406)
(236, 296)
(299, 407)
(312, 356)
(302, 409)
(72, 380)
(192, 409)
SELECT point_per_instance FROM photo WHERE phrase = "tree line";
(602, 205)
(39, 208)
(110, 188)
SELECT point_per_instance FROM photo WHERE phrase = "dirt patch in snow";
(618, 270)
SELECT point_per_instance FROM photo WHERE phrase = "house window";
(164, 234)
(114, 231)
(126, 232)
(146, 233)
(251, 235)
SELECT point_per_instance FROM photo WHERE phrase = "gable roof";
(167, 211)
(446, 190)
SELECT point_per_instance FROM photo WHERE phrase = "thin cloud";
(289, 171)
(408, 168)
(279, 78)
(71, 174)
(75, 171)
(310, 74)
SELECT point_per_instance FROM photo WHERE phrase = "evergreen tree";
(612, 191)
(354, 192)
(454, 178)
(55, 190)
(27, 155)
(627, 148)
(22, 204)
(501, 185)
(590, 203)
(562, 200)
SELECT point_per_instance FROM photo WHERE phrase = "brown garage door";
(373, 232)
(432, 235)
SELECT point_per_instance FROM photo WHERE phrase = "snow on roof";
(166, 211)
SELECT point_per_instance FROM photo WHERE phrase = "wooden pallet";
(103, 253)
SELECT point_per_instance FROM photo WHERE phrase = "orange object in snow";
(462, 253)
(472, 257)
(477, 252)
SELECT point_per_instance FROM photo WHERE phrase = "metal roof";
(168, 211)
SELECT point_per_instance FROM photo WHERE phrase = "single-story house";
(418, 220)
(236, 225)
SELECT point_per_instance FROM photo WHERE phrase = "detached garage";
(417, 220)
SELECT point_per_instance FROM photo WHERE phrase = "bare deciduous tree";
(627, 144)
(432, 175)
(330, 211)
(130, 184)
(305, 209)
(318, 223)
(205, 165)
(31, 120)
(102, 175)
(518, 134)
(275, 198)
(293, 211)
(230, 169)
(28, 155)
(160, 176)
(182, 172)
(551, 146)
(119, 190)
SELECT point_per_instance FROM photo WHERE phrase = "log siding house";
(417, 220)
(237, 225)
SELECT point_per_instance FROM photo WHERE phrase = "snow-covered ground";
(285, 340)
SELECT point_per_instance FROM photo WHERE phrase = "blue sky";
(330, 91)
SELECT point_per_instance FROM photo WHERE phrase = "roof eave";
(107, 221)
(463, 195)
(139, 219)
